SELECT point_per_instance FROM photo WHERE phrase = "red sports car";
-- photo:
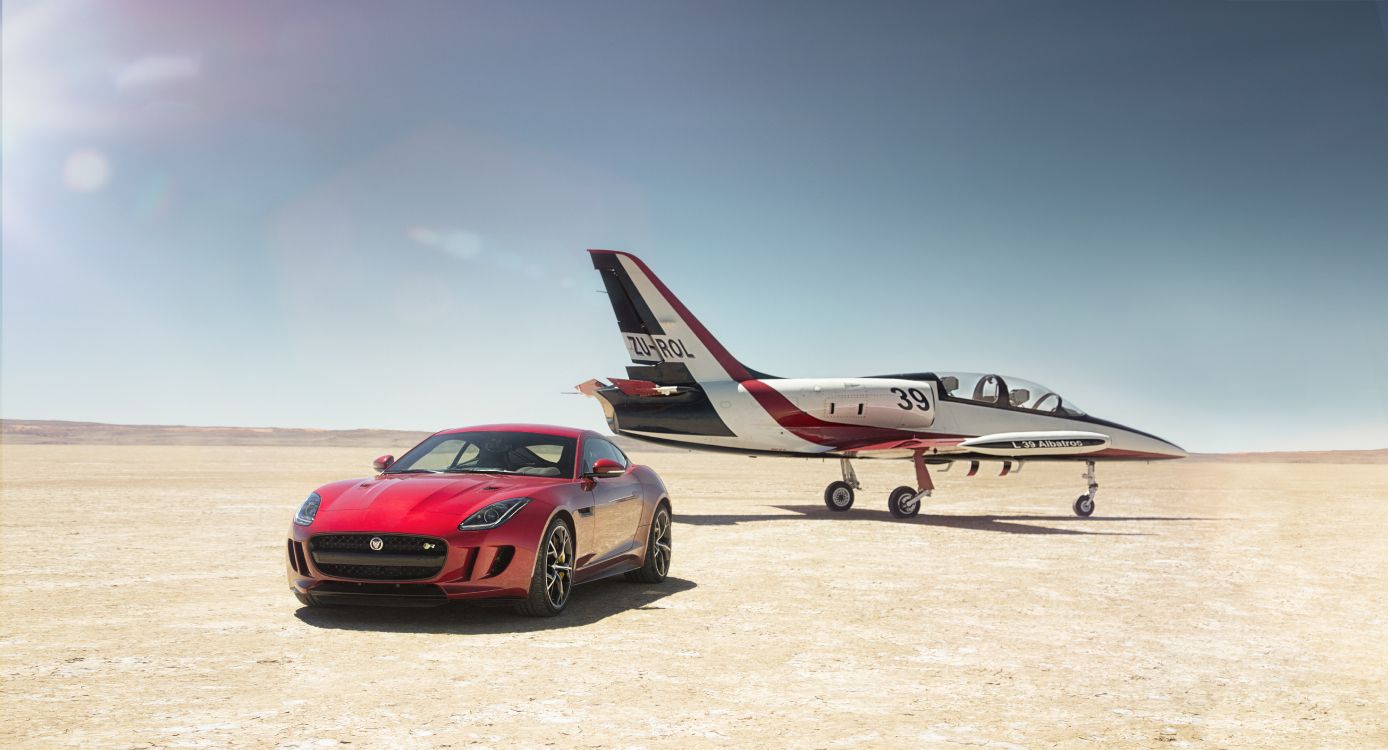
(500, 512)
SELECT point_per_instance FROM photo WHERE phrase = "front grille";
(391, 543)
(401, 557)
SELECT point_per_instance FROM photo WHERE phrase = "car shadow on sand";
(1013, 524)
(590, 603)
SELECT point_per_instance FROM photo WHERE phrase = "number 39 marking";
(912, 399)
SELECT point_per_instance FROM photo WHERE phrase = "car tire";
(306, 599)
(658, 549)
(551, 581)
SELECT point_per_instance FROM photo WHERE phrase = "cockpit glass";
(1005, 390)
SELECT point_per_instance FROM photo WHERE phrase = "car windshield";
(1005, 390)
(486, 452)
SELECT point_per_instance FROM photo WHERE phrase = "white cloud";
(158, 70)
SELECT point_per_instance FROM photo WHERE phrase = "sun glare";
(86, 170)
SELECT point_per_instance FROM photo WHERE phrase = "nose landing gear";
(1084, 504)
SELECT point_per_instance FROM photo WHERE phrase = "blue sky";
(375, 214)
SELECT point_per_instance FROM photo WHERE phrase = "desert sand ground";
(1205, 605)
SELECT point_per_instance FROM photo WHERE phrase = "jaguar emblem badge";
(377, 544)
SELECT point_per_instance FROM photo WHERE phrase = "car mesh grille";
(378, 572)
(430, 552)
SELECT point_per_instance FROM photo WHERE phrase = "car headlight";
(493, 515)
(308, 510)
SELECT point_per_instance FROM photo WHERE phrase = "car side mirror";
(383, 462)
(606, 467)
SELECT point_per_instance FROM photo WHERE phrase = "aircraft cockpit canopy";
(1005, 391)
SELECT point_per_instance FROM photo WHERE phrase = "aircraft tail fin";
(660, 333)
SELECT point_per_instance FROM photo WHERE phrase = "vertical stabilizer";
(657, 328)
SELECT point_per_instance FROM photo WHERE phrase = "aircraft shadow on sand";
(1008, 524)
(590, 603)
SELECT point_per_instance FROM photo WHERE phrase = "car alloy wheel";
(558, 566)
(661, 539)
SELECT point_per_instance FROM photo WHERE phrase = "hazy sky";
(375, 214)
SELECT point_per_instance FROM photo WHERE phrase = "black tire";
(903, 503)
(1084, 506)
(306, 599)
(552, 580)
(658, 549)
(838, 496)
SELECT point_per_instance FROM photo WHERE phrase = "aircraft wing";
(1002, 444)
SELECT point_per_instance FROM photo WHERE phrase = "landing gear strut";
(1084, 504)
(905, 501)
(838, 496)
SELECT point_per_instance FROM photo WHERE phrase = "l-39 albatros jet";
(685, 389)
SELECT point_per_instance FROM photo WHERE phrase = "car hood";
(399, 496)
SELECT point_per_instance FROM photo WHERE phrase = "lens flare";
(86, 171)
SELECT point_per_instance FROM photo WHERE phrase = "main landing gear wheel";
(838, 496)
(904, 502)
(1084, 506)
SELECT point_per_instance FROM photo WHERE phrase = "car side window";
(616, 454)
(597, 448)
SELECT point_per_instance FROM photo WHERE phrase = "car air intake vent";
(502, 559)
(378, 557)
(388, 594)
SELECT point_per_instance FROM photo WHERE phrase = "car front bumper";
(330, 565)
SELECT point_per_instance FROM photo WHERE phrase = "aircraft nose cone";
(1143, 445)
(1173, 450)
(1162, 448)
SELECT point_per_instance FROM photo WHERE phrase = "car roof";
(539, 429)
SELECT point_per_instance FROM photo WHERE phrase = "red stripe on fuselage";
(1123, 453)
(806, 427)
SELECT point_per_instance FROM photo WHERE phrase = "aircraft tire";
(903, 503)
(838, 496)
(1084, 506)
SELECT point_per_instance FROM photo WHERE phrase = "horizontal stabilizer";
(1050, 443)
(643, 388)
(638, 388)
(590, 388)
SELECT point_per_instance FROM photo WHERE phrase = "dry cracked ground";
(1205, 605)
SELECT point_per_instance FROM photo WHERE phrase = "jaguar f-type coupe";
(505, 513)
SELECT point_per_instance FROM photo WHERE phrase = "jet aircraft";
(685, 389)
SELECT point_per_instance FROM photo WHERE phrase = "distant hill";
(1379, 456)
(53, 432)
